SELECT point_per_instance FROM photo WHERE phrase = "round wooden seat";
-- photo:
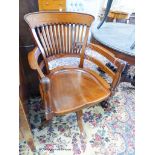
(75, 88)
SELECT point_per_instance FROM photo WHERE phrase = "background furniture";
(52, 5)
(117, 15)
(120, 40)
(68, 88)
(129, 58)
(24, 128)
(131, 19)
(28, 78)
(116, 37)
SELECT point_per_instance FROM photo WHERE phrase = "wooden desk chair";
(68, 89)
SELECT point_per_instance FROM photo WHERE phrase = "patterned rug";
(107, 132)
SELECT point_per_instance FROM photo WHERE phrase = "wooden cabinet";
(28, 78)
(52, 5)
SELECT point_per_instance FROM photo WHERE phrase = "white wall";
(86, 6)
(94, 7)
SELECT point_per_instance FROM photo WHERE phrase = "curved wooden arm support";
(111, 57)
(117, 78)
(32, 58)
(106, 53)
(45, 87)
(45, 82)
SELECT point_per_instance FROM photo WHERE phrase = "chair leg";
(79, 120)
(105, 104)
(31, 145)
(44, 123)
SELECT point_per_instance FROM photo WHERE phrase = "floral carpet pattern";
(108, 131)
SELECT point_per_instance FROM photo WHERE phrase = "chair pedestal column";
(79, 120)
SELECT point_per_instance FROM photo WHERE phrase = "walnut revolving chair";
(67, 89)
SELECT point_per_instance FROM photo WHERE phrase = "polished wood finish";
(60, 28)
(38, 19)
(47, 97)
(68, 89)
(24, 128)
(118, 15)
(52, 5)
(74, 89)
(29, 80)
(79, 120)
(83, 49)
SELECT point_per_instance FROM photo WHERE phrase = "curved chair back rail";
(36, 19)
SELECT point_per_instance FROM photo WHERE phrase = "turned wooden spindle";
(117, 77)
(79, 120)
(45, 82)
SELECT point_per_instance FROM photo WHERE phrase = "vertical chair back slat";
(77, 39)
(49, 39)
(41, 49)
(65, 40)
(83, 48)
(71, 38)
(40, 36)
(58, 38)
(81, 34)
(61, 38)
(60, 32)
(67, 26)
(52, 40)
(74, 39)
(55, 38)
(45, 39)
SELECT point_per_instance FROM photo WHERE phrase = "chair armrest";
(32, 58)
(117, 77)
(111, 57)
(103, 51)
(45, 84)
